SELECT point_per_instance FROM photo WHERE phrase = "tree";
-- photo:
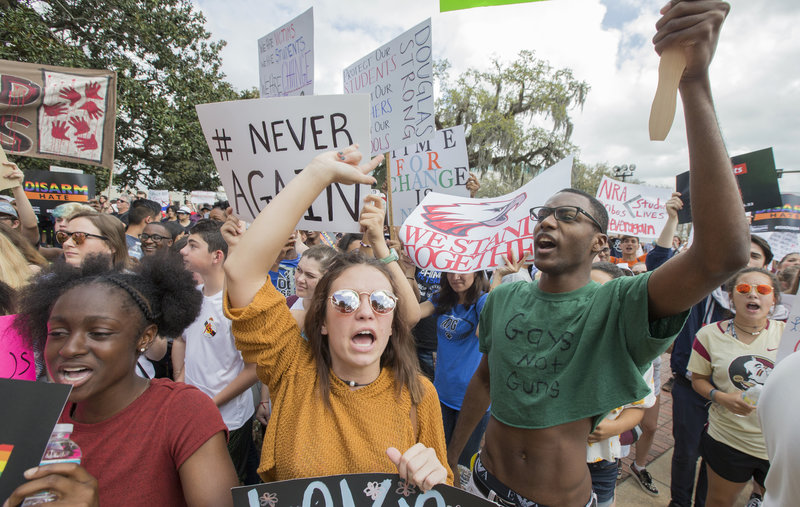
(516, 116)
(588, 178)
(165, 63)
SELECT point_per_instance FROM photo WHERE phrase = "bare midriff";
(547, 466)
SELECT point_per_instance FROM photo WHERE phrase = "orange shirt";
(618, 260)
(304, 437)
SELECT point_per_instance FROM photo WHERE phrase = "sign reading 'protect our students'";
(259, 145)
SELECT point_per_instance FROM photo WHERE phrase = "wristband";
(391, 257)
(711, 394)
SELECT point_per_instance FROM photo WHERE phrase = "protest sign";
(356, 490)
(46, 189)
(784, 218)
(200, 197)
(454, 5)
(30, 411)
(16, 357)
(159, 196)
(259, 145)
(286, 58)
(634, 210)
(438, 165)
(5, 171)
(462, 235)
(781, 243)
(399, 79)
(58, 113)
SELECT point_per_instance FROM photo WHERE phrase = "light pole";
(624, 171)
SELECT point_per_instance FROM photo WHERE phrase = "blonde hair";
(14, 268)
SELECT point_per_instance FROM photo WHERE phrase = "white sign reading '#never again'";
(439, 165)
(399, 78)
(259, 145)
(286, 58)
(462, 235)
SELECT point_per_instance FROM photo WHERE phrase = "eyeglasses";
(562, 214)
(746, 288)
(77, 236)
(154, 237)
(348, 301)
(7, 218)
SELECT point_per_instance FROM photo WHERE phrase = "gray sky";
(755, 74)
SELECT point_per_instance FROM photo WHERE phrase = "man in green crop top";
(561, 352)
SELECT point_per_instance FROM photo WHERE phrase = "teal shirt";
(558, 358)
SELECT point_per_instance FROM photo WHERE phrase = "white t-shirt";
(212, 361)
(779, 411)
(733, 367)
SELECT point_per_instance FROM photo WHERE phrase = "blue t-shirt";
(457, 355)
(283, 279)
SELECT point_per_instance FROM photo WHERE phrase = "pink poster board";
(16, 357)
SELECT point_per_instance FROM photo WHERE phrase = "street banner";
(454, 5)
(462, 235)
(356, 490)
(784, 218)
(47, 189)
(58, 113)
(634, 210)
(399, 79)
(286, 58)
(439, 165)
(259, 145)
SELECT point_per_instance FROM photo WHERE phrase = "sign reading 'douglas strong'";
(259, 145)
(399, 78)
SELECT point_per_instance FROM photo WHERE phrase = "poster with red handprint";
(57, 112)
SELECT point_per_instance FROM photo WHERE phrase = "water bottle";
(752, 394)
(60, 449)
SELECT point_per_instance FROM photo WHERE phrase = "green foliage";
(588, 178)
(516, 116)
(165, 64)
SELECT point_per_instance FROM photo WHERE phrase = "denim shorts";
(604, 480)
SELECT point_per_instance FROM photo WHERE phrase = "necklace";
(353, 383)
(756, 333)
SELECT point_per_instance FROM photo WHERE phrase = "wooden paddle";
(662, 112)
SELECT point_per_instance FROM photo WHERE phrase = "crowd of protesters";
(204, 353)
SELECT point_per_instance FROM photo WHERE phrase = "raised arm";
(28, 223)
(721, 236)
(372, 216)
(247, 267)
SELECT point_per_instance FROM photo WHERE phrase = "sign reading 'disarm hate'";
(439, 165)
(259, 145)
(399, 79)
(286, 58)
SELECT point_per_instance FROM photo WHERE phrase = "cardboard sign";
(356, 490)
(438, 165)
(4, 171)
(452, 5)
(634, 210)
(159, 196)
(30, 411)
(16, 357)
(399, 79)
(259, 145)
(47, 189)
(286, 58)
(462, 235)
(58, 113)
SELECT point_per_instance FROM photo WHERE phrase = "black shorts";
(732, 464)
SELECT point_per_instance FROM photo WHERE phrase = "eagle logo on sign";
(459, 218)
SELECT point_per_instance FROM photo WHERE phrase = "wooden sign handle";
(670, 70)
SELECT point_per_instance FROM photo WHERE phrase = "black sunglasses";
(562, 214)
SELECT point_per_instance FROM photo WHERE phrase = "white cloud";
(755, 75)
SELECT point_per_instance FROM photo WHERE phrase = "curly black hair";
(160, 288)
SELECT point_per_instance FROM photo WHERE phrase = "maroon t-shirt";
(135, 455)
